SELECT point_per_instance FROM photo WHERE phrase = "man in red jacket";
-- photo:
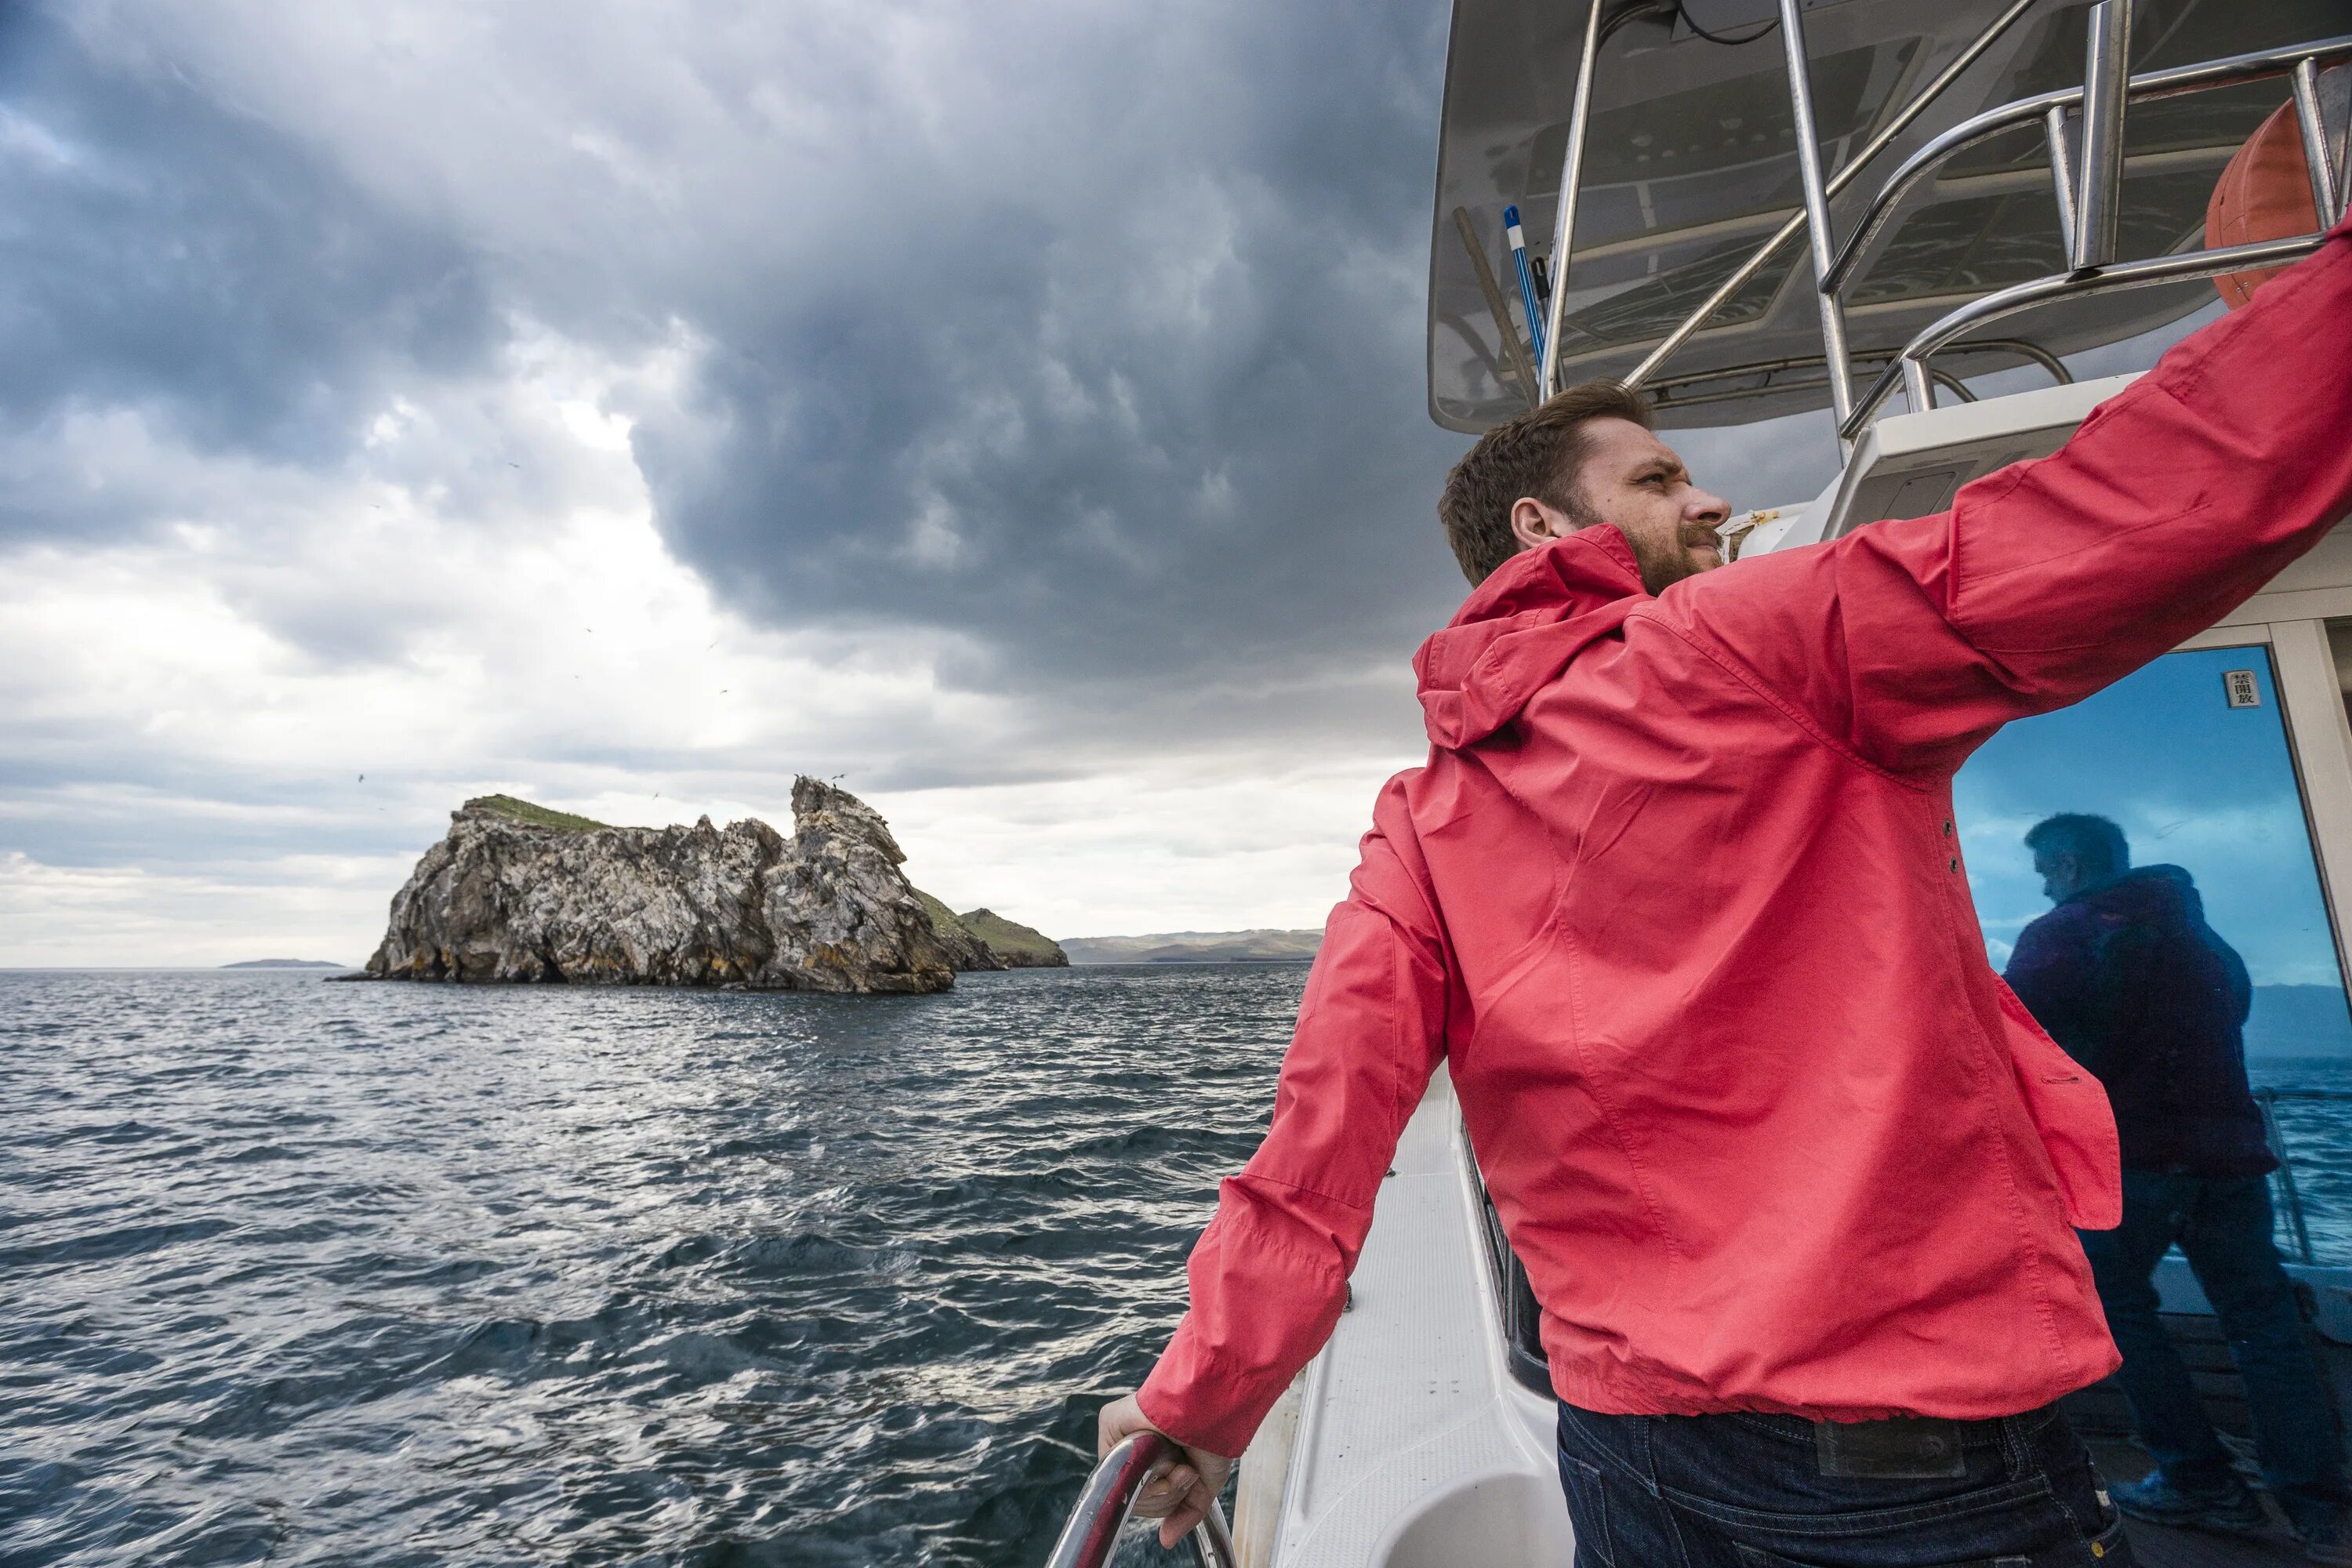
(1678, 898)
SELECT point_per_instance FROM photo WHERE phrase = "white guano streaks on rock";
(503, 898)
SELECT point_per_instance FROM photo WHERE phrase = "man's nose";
(1711, 510)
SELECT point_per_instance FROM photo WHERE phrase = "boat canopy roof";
(1690, 162)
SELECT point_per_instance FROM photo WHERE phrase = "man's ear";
(1534, 523)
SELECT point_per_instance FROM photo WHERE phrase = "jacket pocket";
(2070, 1111)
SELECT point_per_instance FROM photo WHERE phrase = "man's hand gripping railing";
(1145, 1466)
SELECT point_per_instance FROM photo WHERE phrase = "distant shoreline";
(1188, 958)
(325, 970)
(1264, 945)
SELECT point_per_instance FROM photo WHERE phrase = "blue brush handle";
(1518, 240)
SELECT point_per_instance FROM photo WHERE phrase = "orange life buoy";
(2264, 194)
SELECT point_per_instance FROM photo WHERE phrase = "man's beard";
(1661, 564)
(1664, 563)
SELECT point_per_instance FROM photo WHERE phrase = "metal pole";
(2018, 297)
(2325, 197)
(1092, 1534)
(2277, 1138)
(1817, 210)
(1838, 182)
(1918, 388)
(1572, 177)
(2106, 80)
(1953, 385)
(2260, 65)
(1514, 353)
(2062, 174)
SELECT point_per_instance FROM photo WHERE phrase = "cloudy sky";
(1015, 410)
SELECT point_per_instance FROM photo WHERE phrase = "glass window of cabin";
(2190, 757)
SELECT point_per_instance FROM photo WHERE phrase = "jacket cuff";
(1202, 1404)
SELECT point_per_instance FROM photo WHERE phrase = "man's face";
(1634, 479)
(2060, 873)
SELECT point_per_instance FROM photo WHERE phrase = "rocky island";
(517, 892)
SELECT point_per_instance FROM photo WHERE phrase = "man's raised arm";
(1908, 642)
(1270, 1273)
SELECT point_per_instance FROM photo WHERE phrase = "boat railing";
(2083, 139)
(2291, 1198)
(1102, 1511)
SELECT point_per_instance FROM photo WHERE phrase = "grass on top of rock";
(943, 919)
(1010, 938)
(537, 816)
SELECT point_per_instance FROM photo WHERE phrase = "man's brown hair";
(1534, 453)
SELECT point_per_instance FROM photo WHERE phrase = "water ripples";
(391, 1274)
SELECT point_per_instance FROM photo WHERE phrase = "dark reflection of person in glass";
(2126, 975)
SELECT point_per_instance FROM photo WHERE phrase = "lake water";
(303, 1272)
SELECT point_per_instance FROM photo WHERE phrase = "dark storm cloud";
(1139, 400)
(1150, 408)
(168, 255)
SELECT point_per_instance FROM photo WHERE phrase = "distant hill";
(1260, 946)
(2299, 1021)
(1017, 944)
(285, 963)
(986, 939)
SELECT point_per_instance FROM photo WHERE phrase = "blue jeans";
(2224, 1228)
(1767, 1492)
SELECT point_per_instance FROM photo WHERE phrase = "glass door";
(2139, 859)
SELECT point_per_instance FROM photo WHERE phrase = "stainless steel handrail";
(2268, 1099)
(2318, 158)
(1103, 1508)
(2275, 1136)
(1665, 389)
(2064, 285)
(1817, 207)
(2099, 178)
(1844, 177)
(2085, 174)
(2089, 190)
(2232, 70)
(1572, 182)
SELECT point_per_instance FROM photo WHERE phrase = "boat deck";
(2155, 1546)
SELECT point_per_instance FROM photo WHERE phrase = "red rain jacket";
(1678, 896)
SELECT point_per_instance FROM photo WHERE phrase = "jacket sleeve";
(1270, 1273)
(1907, 643)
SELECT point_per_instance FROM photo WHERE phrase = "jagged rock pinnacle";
(516, 892)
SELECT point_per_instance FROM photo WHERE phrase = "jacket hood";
(2147, 894)
(1520, 627)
